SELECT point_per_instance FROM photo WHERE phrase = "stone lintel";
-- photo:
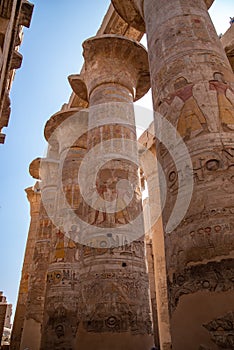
(57, 119)
(34, 168)
(26, 12)
(132, 12)
(113, 59)
(114, 24)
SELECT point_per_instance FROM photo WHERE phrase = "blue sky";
(52, 49)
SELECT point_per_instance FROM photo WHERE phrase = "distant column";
(31, 335)
(3, 309)
(34, 198)
(63, 293)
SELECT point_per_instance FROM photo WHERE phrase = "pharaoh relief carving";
(66, 246)
(225, 97)
(190, 120)
(196, 109)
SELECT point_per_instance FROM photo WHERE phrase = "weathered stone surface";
(6, 8)
(26, 12)
(67, 129)
(132, 11)
(192, 86)
(13, 14)
(222, 331)
(79, 87)
(34, 197)
(3, 307)
(112, 53)
(46, 169)
(34, 168)
(106, 288)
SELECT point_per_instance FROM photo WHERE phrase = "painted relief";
(191, 121)
(59, 252)
(225, 104)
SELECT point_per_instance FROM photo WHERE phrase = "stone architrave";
(193, 88)
(113, 277)
(34, 198)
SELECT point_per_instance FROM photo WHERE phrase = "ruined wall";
(14, 14)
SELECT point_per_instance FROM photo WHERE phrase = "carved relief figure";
(191, 121)
(59, 253)
(99, 205)
(24, 283)
(226, 107)
(122, 198)
(71, 246)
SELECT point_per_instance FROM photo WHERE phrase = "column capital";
(55, 121)
(112, 59)
(34, 168)
(132, 11)
(44, 169)
(68, 128)
(32, 193)
(34, 198)
(79, 87)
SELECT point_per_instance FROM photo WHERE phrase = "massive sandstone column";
(34, 198)
(113, 277)
(63, 297)
(31, 334)
(192, 86)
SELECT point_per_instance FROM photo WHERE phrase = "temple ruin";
(105, 268)
(14, 15)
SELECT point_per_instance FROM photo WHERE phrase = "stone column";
(31, 335)
(113, 277)
(3, 308)
(192, 86)
(156, 233)
(34, 198)
(63, 293)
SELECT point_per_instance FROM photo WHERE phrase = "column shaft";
(63, 293)
(192, 87)
(31, 335)
(113, 277)
(34, 197)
